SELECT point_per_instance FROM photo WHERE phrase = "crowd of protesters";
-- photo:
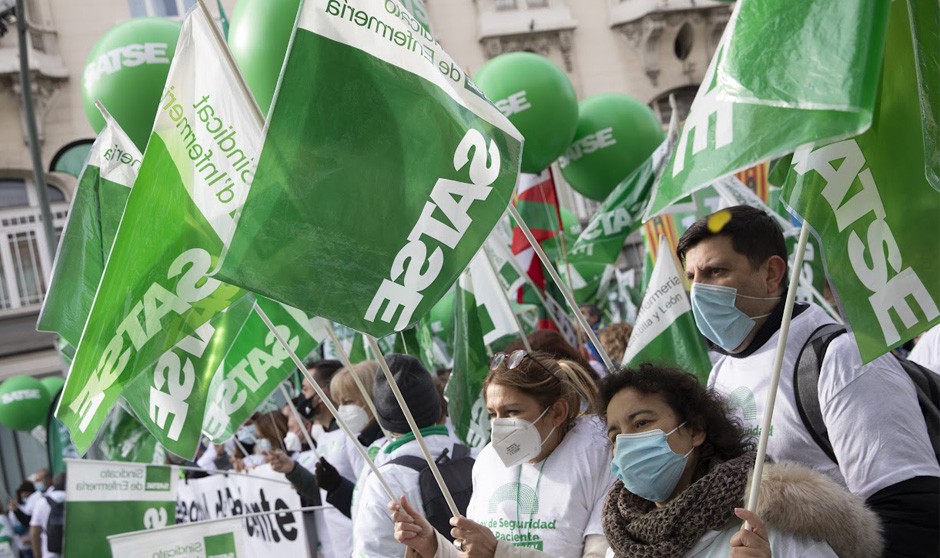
(588, 462)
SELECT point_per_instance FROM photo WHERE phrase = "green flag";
(870, 201)
(382, 172)
(665, 331)
(256, 364)
(103, 188)
(124, 438)
(157, 286)
(464, 393)
(601, 241)
(827, 88)
(170, 397)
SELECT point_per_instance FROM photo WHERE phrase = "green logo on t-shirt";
(523, 494)
(743, 399)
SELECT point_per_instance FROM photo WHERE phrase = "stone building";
(644, 48)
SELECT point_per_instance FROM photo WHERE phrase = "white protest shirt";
(871, 412)
(332, 447)
(926, 351)
(373, 529)
(40, 517)
(333, 528)
(552, 505)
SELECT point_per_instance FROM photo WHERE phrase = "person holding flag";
(736, 260)
(539, 485)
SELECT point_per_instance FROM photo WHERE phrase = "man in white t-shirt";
(877, 431)
(39, 524)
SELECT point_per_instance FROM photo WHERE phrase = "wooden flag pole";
(754, 495)
(569, 297)
(414, 427)
(326, 401)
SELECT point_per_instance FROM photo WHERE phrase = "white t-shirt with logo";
(551, 505)
(871, 413)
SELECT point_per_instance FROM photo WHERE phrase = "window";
(505, 4)
(160, 8)
(13, 193)
(683, 43)
(537, 3)
(24, 260)
(72, 157)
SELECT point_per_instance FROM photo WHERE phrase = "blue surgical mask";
(39, 486)
(718, 318)
(646, 465)
(247, 434)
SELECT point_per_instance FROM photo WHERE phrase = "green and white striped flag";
(383, 170)
(103, 188)
(870, 198)
(464, 389)
(665, 331)
(157, 287)
(827, 83)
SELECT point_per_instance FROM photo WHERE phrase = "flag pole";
(326, 400)
(754, 494)
(505, 297)
(569, 297)
(300, 421)
(344, 358)
(414, 427)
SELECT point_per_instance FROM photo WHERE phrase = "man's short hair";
(324, 370)
(753, 234)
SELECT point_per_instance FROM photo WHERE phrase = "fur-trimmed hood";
(803, 502)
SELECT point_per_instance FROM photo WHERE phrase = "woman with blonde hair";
(539, 485)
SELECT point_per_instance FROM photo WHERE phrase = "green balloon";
(538, 99)
(24, 403)
(52, 384)
(126, 70)
(615, 135)
(258, 33)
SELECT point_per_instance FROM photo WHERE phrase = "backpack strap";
(419, 463)
(806, 385)
(460, 451)
(411, 461)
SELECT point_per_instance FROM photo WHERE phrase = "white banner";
(213, 539)
(220, 496)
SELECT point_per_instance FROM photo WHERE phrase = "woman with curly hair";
(683, 468)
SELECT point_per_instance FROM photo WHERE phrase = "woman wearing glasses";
(539, 485)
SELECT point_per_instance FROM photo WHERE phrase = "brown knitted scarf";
(637, 528)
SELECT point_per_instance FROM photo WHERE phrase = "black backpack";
(457, 473)
(55, 526)
(806, 389)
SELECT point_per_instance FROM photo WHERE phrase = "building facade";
(647, 49)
